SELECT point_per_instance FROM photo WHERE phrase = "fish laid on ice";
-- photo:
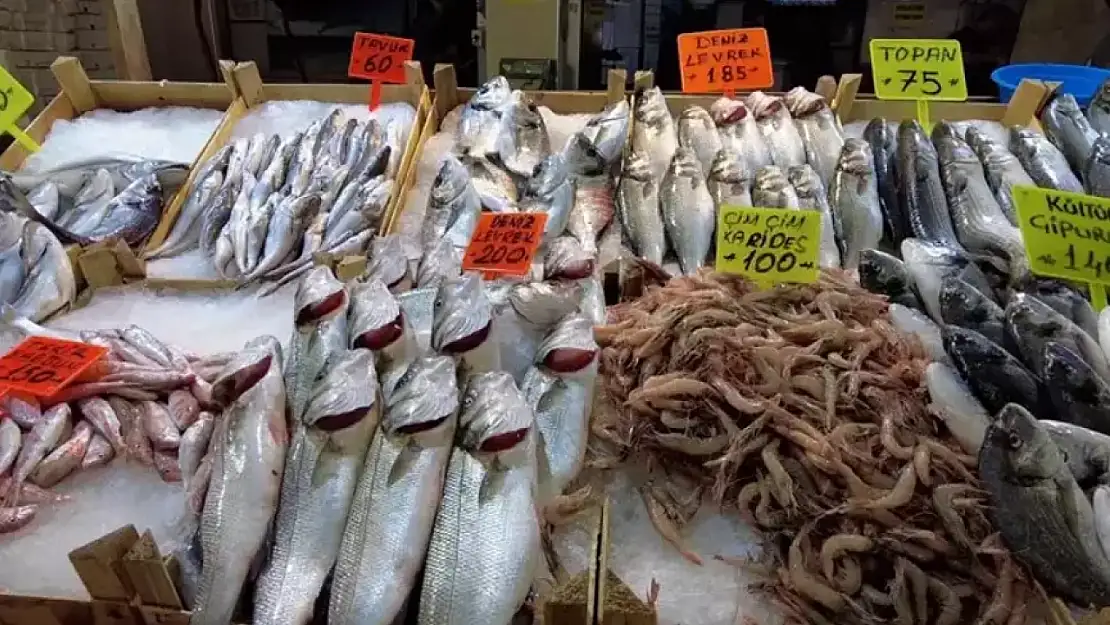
(1096, 171)
(698, 132)
(550, 190)
(729, 181)
(481, 118)
(1087, 451)
(495, 185)
(593, 208)
(772, 189)
(639, 209)
(522, 140)
(50, 284)
(774, 121)
(887, 275)
(688, 211)
(994, 375)
(854, 198)
(443, 261)
(930, 263)
(820, 130)
(463, 316)
(1098, 111)
(740, 133)
(65, 458)
(608, 130)
(10, 438)
(1066, 300)
(812, 196)
(884, 148)
(1068, 128)
(1045, 164)
(1032, 324)
(54, 426)
(453, 206)
(1044, 517)
(654, 134)
(1002, 169)
(920, 190)
(966, 306)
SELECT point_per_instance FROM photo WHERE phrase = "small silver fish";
(463, 315)
(1043, 161)
(812, 196)
(688, 211)
(774, 121)
(639, 209)
(819, 128)
(740, 133)
(854, 197)
(654, 134)
(772, 189)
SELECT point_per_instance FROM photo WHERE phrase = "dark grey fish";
(967, 307)
(884, 146)
(1044, 163)
(1069, 129)
(994, 375)
(1087, 451)
(1098, 111)
(930, 263)
(920, 191)
(1078, 393)
(1002, 169)
(1032, 324)
(1066, 300)
(1043, 515)
(1096, 171)
(885, 274)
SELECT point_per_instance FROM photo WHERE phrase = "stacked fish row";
(36, 277)
(764, 151)
(149, 404)
(409, 451)
(504, 162)
(261, 207)
(1083, 141)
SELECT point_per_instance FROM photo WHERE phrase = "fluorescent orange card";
(42, 365)
(380, 57)
(505, 243)
(716, 61)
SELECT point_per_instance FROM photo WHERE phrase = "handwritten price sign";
(504, 243)
(769, 245)
(380, 57)
(918, 69)
(718, 61)
(14, 102)
(42, 366)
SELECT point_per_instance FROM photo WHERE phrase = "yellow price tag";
(14, 102)
(1067, 236)
(918, 69)
(769, 245)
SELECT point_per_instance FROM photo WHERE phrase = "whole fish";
(854, 197)
(1066, 300)
(25, 412)
(286, 227)
(1098, 111)
(394, 507)
(550, 190)
(981, 225)
(1096, 171)
(1002, 169)
(544, 303)
(583, 157)
(495, 186)
(159, 426)
(386, 261)
(887, 275)
(1044, 163)
(71, 175)
(216, 216)
(90, 205)
(929, 264)
(995, 376)
(729, 182)
(65, 459)
(688, 211)
(639, 209)
(522, 140)
(1079, 394)
(332, 442)
(772, 189)
(920, 190)
(565, 259)
(820, 129)
(443, 261)
(966, 306)
(957, 406)
(608, 130)
(1087, 451)
(1068, 128)
(15, 518)
(194, 446)
(740, 133)
(453, 206)
(132, 215)
(812, 196)
(99, 453)
(593, 209)
(913, 322)
(186, 229)
(243, 491)
(99, 413)
(10, 438)
(45, 436)
(1032, 324)
(50, 284)
(1043, 515)
(698, 132)
(880, 137)
(480, 121)
(463, 316)
(653, 133)
(485, 541)
(374, 318)
(774, 121)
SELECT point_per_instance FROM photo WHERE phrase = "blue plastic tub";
(1080, 81)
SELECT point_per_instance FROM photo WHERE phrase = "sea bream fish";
(49, 283)
(966, 306)
(1002, 169)
(688, 211)
(550, 190)
(522, 140)
(1044, 163)
(246, 478)
(697, 132)
(480, 121)
(740, 133)
(994, 375)
(654, 134)
(1043, 515)
(920, 190)
(929, 264)
(812, 196)
(820, 129)
(1032, 324)
(394, 507)
(453, 206)
(639, 209)
(1087, 451)
(854, 199)
(774, 121)
(1079, 394)
(1068, 128)
(1096, 172)
(887, 275)
(1098, 111)
(608, 130)
(880, 137)
(1066, 300)
(485, 542)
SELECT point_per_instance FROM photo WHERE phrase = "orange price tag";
(42, 365)
(380, 57)
(719, 61)
(504, 243)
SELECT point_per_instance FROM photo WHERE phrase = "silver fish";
(463, 315)
(1096, 172)
(920, 190)
(495, 186)
(638, 207)
(244, 488)
(1044, 163)
(771, 189)
(550, 190)
(698, 132)
(812, 196)
(186, 229)
(1068, 128)
(394, 506)
(481, 117)
(1002, 169)
(386, 261)
(194, 445)
(729, 181)
(1076, 391)
(653, 133)
(10, 439)
(98, 454)
(443, 261)
(50, 285)
(593, 209)
(237, 159)
(608, 130)
(544, 303)
(45, 436)
(522, 140)
(740, 133)
(216, 216)
(773, 118)
(259, 147)
(1088, 452)
(90, 205)
(566, 259)
(453, 206)
(688, 211)
(71, 175)
(1098, 111)
(819, 128)
(485, 542)
(966, 306)
(374, 318)
(45, 198)
(285, 229)
(99, 413)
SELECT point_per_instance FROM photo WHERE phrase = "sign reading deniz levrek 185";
(716, 61)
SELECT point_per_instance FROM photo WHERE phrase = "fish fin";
(1068, 505)
(404, 460)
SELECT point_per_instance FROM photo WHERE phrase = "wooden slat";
(98, 565)
(59, 108)
(75, 83)
(147, 572)
(125, 37)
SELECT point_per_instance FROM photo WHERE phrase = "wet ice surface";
(285, 117)
(191, 265)
(171, 133)
(714, 593)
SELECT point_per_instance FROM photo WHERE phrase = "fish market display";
(803, 407)
(260, 208)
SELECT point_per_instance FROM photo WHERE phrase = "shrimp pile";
(804, 409)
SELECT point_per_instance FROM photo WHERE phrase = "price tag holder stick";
(923, 115)
(921, 70)
(379, 59)
(1098, 296)
(375, 94)
(24, 139)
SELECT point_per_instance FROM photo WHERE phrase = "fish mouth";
(504, 441)
(734, 116)
(422, 426)
(470, 341)
(377, 339)
(242, 377)
(319, 295)
(574, 270)
(342, 420)
(569, 347)
(318, 310)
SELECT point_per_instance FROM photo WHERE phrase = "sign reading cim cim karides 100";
(769, 245)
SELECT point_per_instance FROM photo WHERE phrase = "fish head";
(608, 129)
(1024, 140)
(462, 315)
(1028, 316)
(245, 370)
(696, 118)
(727, 111)
(387, 260)
(878, 132)
(728, 166)
(969, 346)
(911, 132)
(569, 347)
(1027, 446)
(451, 181)
(1100, 151)
(346, 395)
(443, 261)
(374, 320)
(544, 303)
(425, 398)
(319, 296)
(522, 114)
(765, 106)
(803, 102)
(958, 295)
(637, 165)
(686, 164)
(879, 268)
(550, 173)
(1066, 104)
(945, 130)
(651, 107)
(493, 94)
(582, 155)
(770, 179)
(494, 415)
(805, 180)
(376, 161)
(1067, 371)
(566, 259)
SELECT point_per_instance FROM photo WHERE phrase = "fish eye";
(1014, 441)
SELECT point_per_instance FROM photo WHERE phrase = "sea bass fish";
(1044, 163)
(740, 133)
(772, 189)
(854, 198)
(774, 121)
(729, 182)
(1002, 169)
(639, 209)
(688, 211)
(654, 134)
(820, 129)
(920, 190)
(880, 137)
(812, 196)
(485, 541)
(697, 132)
(1032, 324)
